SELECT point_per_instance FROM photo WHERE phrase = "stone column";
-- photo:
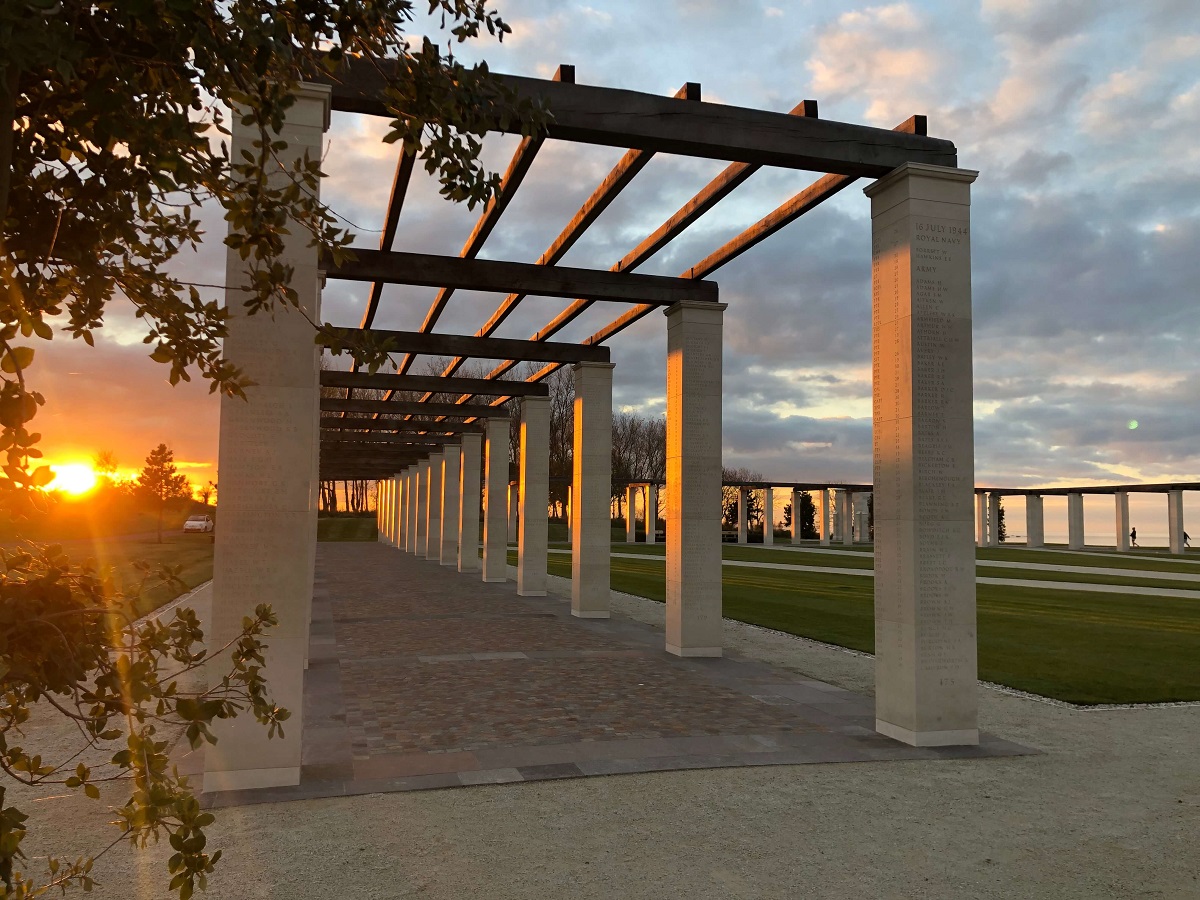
(630, 514)
(433, 508)
(468, 502)
(1121, 499)
(743, 508)
(380, 513)
(264, 548)
(925, 622)
(847, 517)
(693, 584)
(797, 528)
(451, 494)
(1035, 521)
(514, 509)
(410, 539)
(591, 491)
(993, 533)
(535, 496)
(422, 529)
(1075, 538)
(398, 510)
(768, 516)
(1175, 521)
(981, 520)
(495, 505)
(824, 515)
(567, 516)
(838, 515)
(651, 513)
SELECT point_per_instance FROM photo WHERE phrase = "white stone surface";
(514, 508)
(797, 528)
(824, 515)
(839, 515)
(1175, 527)
(631, 493)
(451, 498)
(693, 551)
(1035, 521)
(743, 515)
(268, 446)
(651, 513)
(769, 516)
(925, 620)
(993, 532)
(422, 525)
(496, 503)
(535, 496)
(591, 490)
(410, 541)
(981, 520)
(433, 508)
(470, 454)
(1121, 503)
(1075, 522)
(397, 511)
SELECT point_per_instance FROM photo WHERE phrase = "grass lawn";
(192, 552)
(1079, 646)
(347, 528)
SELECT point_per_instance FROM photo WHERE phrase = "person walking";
(1133, 537)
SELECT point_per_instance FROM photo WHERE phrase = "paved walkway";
(423, 678)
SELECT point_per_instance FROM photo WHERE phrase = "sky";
(1081, 117)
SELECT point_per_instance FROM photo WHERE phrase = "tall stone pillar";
(631, 513)
(925, 622)
(423, 506)
(981, 519)
(1121, 499)
(847, 517)
(993, 533)
(743, 514)
(398, 510)
(264, 549)
(768, 516)
(1035, 521)
(839, 515)
(410, 539)
(591, 491)
(380, 509)
(824, 515)
(693, 585)
(1075, 539)
(496, 503)
(514, 509)
(567, 516)
(433, 508)
(797, 527)
(468, 503)
(651, 512)
(451, 497)
(1175, 521)
(535, 496)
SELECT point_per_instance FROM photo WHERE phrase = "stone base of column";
(963, 738)
(693, 651)
(589, 614)
(250, 779)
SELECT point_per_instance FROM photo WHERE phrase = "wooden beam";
(404, 167)
(486, 348)
(432, 384)
(527, 278)
(387, 440)
(402, 408)
(634, 120)
(347, 425)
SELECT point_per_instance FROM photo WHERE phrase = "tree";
(1001, 530)
(112, 125)
(729, 495)
(207, 492)
(808, 517)
(160, 483)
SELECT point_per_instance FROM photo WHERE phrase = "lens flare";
(1133, 423)
(76, 478)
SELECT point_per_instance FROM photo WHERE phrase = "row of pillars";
(841, 515)
(987, 520)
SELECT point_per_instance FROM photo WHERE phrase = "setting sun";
(76, 478)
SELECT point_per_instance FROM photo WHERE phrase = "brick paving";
(423, 678)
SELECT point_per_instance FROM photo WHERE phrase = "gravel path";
(1110, 809)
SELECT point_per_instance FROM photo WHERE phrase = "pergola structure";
(426, 448)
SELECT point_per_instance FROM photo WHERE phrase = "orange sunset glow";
(73, 478)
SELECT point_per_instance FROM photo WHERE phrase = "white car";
(201, 524)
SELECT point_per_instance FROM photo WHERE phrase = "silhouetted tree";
(160, 483)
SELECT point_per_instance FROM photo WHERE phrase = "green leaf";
(17, 358)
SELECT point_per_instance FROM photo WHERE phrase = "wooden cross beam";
(433, 384)
(384, 439)
(402, 408)
(344, 424)
(634, 120)
(428, 270)
(483, 348)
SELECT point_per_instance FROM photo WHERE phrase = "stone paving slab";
(420, 678)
